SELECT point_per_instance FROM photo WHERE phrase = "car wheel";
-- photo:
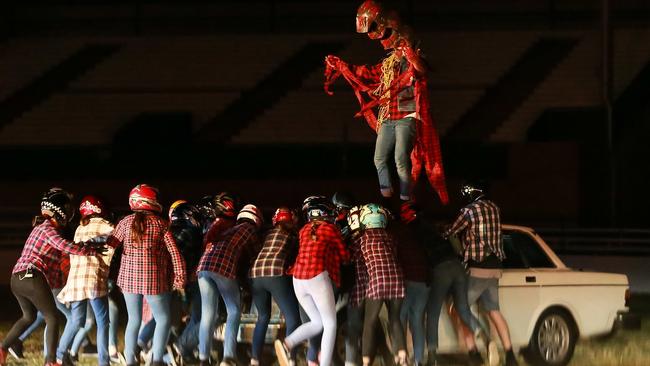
(553, 340)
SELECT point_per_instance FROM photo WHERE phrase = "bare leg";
(502, 328)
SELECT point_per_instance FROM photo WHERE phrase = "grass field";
(625, 348)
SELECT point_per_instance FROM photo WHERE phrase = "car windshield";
(522, 251)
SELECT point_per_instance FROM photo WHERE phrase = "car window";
(513, 256)
(528, 254)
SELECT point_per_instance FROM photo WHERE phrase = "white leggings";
(316, 297)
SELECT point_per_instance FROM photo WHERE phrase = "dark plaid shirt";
(358, 292)
(272, 259)
(320, 249)
(411, 254)
(397, 103)
(144, 268)
(222, 256)
(43, 251)
(386, 280)
(479, 228)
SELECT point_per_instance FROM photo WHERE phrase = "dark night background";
(546, 100)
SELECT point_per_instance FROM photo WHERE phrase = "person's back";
(479, 227)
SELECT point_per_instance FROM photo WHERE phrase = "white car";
(547, 305)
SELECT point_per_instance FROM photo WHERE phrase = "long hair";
(139, 226)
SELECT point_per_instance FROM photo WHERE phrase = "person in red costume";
(397, 88)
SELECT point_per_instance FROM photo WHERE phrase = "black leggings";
(371, 320)
(34, 294)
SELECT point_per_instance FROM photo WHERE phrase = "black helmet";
(57, 203)
(317, 207)
(473, 190)
(343, 201)
(182, 211)
(206, 207)
(226, 205)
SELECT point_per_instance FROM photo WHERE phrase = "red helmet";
(367, 14)
(91, 205)
(283, 214)
(144, 197)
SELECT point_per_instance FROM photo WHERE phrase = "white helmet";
(251, 212)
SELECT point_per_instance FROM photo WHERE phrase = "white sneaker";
(282, 353)
(493, 354)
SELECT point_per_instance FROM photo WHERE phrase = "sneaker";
(282, 353)
(511, 360)
(493, 354)
(475, 358)
(117, 358)
(16, 350)
(173, 356)
(89, 349)
(228, 362)
(3, 356)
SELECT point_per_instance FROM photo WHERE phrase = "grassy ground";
(625, 348)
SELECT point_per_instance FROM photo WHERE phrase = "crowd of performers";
(304, 260)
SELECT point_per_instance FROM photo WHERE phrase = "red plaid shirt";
(222, 256)
(373, 75)
(145, 265)
(358, 292)
(386, 280)
(272, 259)
(320, 249)
(43, 251)
(219, 226)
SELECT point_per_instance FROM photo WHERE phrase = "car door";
(520, 286)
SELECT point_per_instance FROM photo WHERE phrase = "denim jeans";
(161, 313)
(189, 339)
(40, 320)
(114, 320)
(397, 135)
(145, 335)
(79, 309)
(412, 313)
(83, 331)
(445, 277)
(212, 286)
(281, 289)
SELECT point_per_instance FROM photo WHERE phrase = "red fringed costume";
(426, 151)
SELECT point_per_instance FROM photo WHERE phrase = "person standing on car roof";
(479, 227)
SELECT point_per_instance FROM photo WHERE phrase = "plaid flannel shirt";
(145, 265)
(43, 251)
(320, 249)
(479, 225)
(386, 280)
(373, 74)
(358, 292)
(219, 226)
(88, 276)
(222, 256)
(272, 259)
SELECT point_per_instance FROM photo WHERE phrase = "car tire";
(553, 340)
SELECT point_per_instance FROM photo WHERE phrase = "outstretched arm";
(367, 73)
